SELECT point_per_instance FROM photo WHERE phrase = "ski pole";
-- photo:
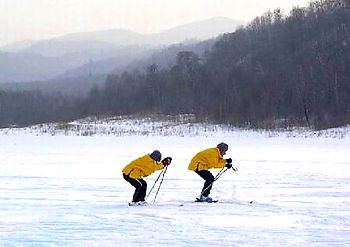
(234, 168)
(161, 181)
(154, 184)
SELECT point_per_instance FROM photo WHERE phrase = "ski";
(236, 202)
(138, 204)
(212, 201)
(243, 202)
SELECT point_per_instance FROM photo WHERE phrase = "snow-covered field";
(64, 187)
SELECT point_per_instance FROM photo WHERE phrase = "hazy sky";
(38, 19)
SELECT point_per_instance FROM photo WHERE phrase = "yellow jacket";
(142, 167)
(207, 159)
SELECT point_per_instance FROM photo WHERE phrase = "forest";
(280, 70)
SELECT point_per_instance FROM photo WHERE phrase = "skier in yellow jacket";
(143, 167)
(205, 160)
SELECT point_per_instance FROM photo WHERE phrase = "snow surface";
(65, 187)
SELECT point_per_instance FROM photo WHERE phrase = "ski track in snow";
(68, 191)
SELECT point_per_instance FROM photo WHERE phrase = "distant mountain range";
(100, 52)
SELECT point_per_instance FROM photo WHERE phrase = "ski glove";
(166, 161)
(229, 161)
(228, 165)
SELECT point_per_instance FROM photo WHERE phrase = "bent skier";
(143, 167)
(205, 160)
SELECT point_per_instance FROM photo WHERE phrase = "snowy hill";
(62, 185)
(162, 125)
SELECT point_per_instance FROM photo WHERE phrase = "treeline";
(289, 70)
(32, 107)
(279, 70)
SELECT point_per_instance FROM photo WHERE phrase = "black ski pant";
(209, 179)
(140, 188)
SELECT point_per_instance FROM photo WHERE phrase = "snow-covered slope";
(161, 125)
(62, 186)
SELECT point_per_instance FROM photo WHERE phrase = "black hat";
(222, 146)
(156, 155)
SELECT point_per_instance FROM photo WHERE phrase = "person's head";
(156, 155)
(223, 147)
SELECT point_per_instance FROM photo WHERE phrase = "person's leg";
(143, 190)
(208, 184)
(140, 191)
